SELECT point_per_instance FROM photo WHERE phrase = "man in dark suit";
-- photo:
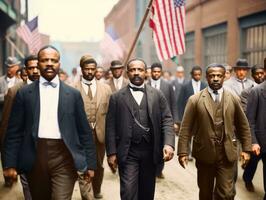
(177, 84)
(192, 87)
(256, 116)
(139, 134)
(32, 74)
(48, 137)
(257, 72)
(158, 83)
(211, 116)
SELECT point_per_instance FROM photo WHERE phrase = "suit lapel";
(127, 97)
(226, 96)
(62, 102)
(34, 92)
(150, 95)
(208, 103)
(99, 92)
(263, 89)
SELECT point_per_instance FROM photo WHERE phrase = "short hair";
(135, 59)
(159, 65)
(195, 68)
(215, 65)
(48, 47)
(29, 58)
(254, 68)
(87, 59)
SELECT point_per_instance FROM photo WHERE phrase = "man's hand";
(88, 175)
(168, 153)
(245, 157)
(183, 160)
(10, 175)
(112, 162)
(176, 128)
(256, 149)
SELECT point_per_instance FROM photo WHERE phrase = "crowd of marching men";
(56, 129)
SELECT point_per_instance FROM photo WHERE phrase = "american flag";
(30, 34)
(168, 24)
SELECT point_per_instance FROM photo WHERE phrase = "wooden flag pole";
(139, 31)
(14, 46)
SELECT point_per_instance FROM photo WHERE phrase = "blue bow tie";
(50, 83)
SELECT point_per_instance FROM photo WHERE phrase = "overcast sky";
(71, 20)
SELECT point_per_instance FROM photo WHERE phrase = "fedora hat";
(116, 64)
(242, 63)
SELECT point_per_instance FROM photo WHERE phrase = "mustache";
(49, 68)
(137, 78)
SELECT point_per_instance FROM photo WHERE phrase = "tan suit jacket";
(199, 121)
(103, 94)
(8, 102)
(112, 85)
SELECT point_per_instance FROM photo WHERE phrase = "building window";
(253, 38)
(214, 46)
(189, 56)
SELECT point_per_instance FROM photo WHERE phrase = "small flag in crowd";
(168, 24)
(111, 46)
(30, 34)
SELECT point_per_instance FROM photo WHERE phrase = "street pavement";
(178, 184)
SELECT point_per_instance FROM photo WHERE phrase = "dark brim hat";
(12, 61)
(116, 66)
(242, 63)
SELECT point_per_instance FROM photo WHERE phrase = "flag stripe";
(168, 22)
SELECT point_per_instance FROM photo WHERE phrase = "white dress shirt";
(156, 83)
(92, 84)
(29, 81)
(138, 95)
(11, 81)
(49, 98)
(196, 86)
(118, 82)
(213, 95)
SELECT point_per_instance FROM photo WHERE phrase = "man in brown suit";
(33, 74)
(118, 81)
(96, 99)
(211, 117)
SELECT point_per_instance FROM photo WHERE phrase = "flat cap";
(87, 59)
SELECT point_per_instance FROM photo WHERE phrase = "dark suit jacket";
(119, 123)
(256, 115)
(185, 93)
(22, 133)
(199, 121)
(177, 89)
(168, 92)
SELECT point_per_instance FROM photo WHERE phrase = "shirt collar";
(10, 79)
(55, 80)
(118, 79)
(244, 80)
(156, 81)
(132, 85)
(193, 81)
(29, 81)
(220, 91)
(92, 82)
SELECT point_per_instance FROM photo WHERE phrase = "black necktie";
(47, 83)
(137, 89)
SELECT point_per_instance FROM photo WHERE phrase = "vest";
(140, 112)
(218, 119)
(90, 107)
